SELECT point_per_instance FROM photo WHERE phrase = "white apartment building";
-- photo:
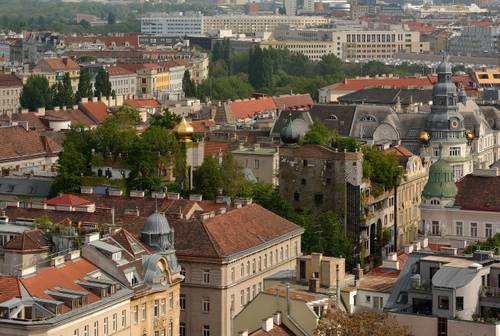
(173, 24)
(349, 44)
(123, 81)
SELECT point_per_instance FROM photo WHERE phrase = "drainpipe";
(338, 285)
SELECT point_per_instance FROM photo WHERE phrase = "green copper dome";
(441, 183)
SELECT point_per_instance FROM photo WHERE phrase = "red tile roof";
(68, 200)
(249, 226)
(9, 288)
(394, 83)
(77, 117)
(278, 330)
(402, 153)
(18, 142)
(292, 102)
(213, 148)
(63, 276)
(117, 71)
(381, 271)
(7, 80)
(247, 108)
(478, 193)
(98, 111)
(142, 103)
(119, 40)
(202, 126)
(62, 64)
(28, 241)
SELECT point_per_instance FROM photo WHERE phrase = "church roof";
(441, 183)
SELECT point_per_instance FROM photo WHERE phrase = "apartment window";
(271, 258)
(265, 261)
(206, 330)
(287, 254)
(368, 299)
(232, 274)
(296, 196)
(488, 230)
(182, 301)
(171, 300)
(115, 322)
(242, 297)
(156, 309)
(205, 305)
(460, 303)
(248, 267)
(303, 181)
(248, 294)
(76, 332)
(143, 310)
(459, 228)
(242, 270)
(86, 330)
(435, 228)
(182, 329)
(206, 276)
(454, 151)
(124, 318)
(105, 326)
(96, 328)
(443, 302)
(170, 330)
(231, 307)
(473, 229)
(318, 199)
(458, 171)
(254, 291)
(136, 314)
(163, 306)
(281, 254)
(256, 164)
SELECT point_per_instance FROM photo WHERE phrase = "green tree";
(43, 223)
(233, 180)
(63, 92)
(85, 24)
(165, 119)
(490, 244)
(381, 168)
(269, 198)
(208, 179)
(188, 85)
(229, 87)
(142, 162)
(111, 18)
(319, 134)
(102, 84)
(84, 86)
(36, 93)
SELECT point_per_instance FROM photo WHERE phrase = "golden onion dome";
(469, 135)
(424, 136)
(184, 130)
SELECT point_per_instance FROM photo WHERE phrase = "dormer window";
(333, 117)
(117, 256)
(368, 118)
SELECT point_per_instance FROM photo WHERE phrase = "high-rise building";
(290, 7)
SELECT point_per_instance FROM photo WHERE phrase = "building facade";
(262, 162)
(123, 81)
(10, 92)
(173, 24)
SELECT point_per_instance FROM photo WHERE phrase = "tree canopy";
(36, 93)
(102, 84)
(84, 86)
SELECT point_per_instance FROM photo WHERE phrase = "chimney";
(391, 262)
(243, 333)
(358, 272)
(57, 261)
(173, 196)
(448, 250)
(85, 100)
(94, 99)
(158, 194)
(73, 255)
(86, 190)
(195, 197)
(40, 111)
(137, 193)
(313, 284)
(408, 249)
(277, 318)
(267, 324)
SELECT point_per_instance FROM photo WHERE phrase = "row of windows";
(205, 331)
(159, 308)
(460, 229)
(107, 328)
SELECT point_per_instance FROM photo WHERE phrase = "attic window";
(368, 118)
(333, 117)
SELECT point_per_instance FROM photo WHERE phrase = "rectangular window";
(231, 307)
(248, 294)
(163, 306)
(256, 164)
(454, 151)
(124, 318)
(143, 310)
(206, 330)
(86, 330)
(182, 301)
(206, 276)
(242, 297)
(182, 329)
(136, 314)
(205, 305)
(459, 228)
(171, 300)
(96, 328)
(488, 230)
(458, 171)
(156, 309)
(460, 303)
(115, 322)
(435, 228)
(105, 326)
(232, 274)
(473, 229)
(443, 302)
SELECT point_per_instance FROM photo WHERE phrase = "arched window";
(368, 118)
(333, 117)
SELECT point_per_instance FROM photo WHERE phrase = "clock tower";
(445, 126)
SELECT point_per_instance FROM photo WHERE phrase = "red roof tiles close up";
(68, 200)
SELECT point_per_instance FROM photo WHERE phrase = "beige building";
(56, 68)
(244, 24)
(349, 43)
(10, 92)
(123, 81)
(261, 161)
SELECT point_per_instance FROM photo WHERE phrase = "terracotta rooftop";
(215, 148)
(278, 330)
(143, 103)
(292, 102)
(62, 64)
(97, 111)
(66, 276)
(295, 294)
(117, 71)
(377, 283)
(119, 40)
(18, 142)
(7, 80)
(202, 126)
(402, 153)
(28, 241)
(318, 152)
(68, 200)
(9, 288)
(247, 108)
(478, 193)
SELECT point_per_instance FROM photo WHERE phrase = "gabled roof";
(62, 64)
(129, 242)
(247, 108)
(9, 288)
(214, 148)
(18, 142)
(118, 71)
(335, 117)
(28, 241)
(68, 200)
(292, 102)
(97, 111)
(202, 126)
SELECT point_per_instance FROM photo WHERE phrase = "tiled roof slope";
(18, 142)
(9, 288)
(97, 111)
(28, 241)
(68, 200)
(7, 80)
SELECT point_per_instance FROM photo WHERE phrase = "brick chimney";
(313, 284)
